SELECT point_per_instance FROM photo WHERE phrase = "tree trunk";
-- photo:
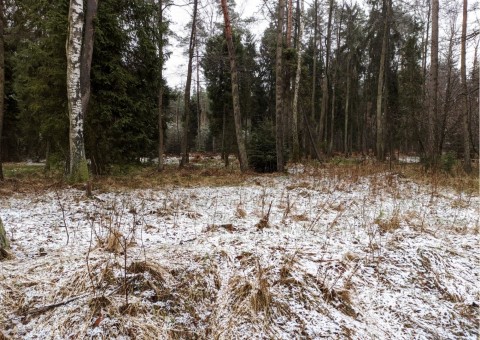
(4, 244)
(380, 114)
(78, 162)
(334, 84)
(425, 47)
(2, 82)
(295, 142)
(87, 53)
(433, 89)
(463, 70)
(188, 85)
(314, 56)
(279, 88)
(242, 151)
(325, 94)
(161, 147)
(347, 104)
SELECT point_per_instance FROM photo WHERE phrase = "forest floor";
(325, 251)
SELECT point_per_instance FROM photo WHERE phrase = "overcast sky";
(180, 15)
(176, 65)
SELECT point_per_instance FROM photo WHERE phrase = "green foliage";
(39, 77)
(448, 161)
(262, 154)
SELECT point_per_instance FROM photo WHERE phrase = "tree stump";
(4, 244)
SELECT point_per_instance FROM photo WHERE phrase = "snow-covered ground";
(286, 257)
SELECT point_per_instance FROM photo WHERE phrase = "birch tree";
(325, 82)
(295, 141)
(242, 152)
(78, 162)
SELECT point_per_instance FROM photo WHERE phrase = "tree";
(188, 85)
(242, 152)
(279, 88)
(78, 161)
(381, 109)
(2, 84)
(463, 70)
(4, 244)
(431, 149)
(325, 82)
(160, 88)
(295, 141)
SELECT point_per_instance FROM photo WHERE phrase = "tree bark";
(347, 104)
(2, 82)
(87, 53)
(334, 84)
(242, 151)
(314, 56)
(295, 141)
(463, 70)
(433, 89)
(4, 244)
(325, 94)
(188, 85)
(380, 114)
(78, 162)
(279, 89)
(161, 147)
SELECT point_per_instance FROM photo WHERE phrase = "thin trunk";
(325, 80)
(448, 92)
(433, 89)
(289, 23)
(295, 142)
(279, 88)
(2, 82)
(314, 56)
(188, 84)
(463, 70)
(347, 103)
(87, 53)
(78, 162)
(199, 108)
(334, 84)
(380, 113)
(425, 47)
(242, 151)
(161, 146)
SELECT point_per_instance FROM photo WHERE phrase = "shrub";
(262, 155)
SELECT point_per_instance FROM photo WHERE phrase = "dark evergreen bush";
(262, 155)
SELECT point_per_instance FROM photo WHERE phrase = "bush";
(262, 156)
(448, 161)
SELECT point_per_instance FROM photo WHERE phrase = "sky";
(180, 15)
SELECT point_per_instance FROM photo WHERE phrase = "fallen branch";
(43, 309)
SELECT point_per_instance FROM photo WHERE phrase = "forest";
(372, 79)
(202, 169)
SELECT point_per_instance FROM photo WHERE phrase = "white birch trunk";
(296, 144)
(78, 163)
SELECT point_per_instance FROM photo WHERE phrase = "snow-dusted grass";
(308, 255)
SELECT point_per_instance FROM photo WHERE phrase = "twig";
(63, 214)
(58, 304)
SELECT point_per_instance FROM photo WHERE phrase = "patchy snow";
(297, 256)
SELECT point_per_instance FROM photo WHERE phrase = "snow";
(363, 257)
